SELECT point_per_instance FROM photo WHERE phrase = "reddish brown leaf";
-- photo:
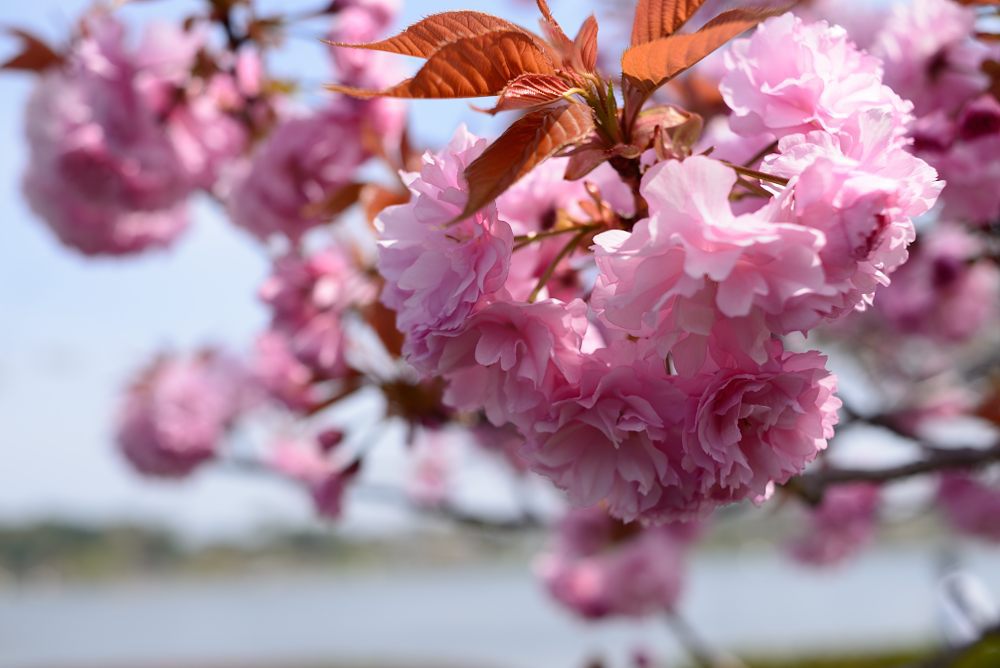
(650, 65)
(336, 202)
(424, 38)
(559, 38)
(586, 158)
(35, 55)
(532, 139)
(529, 91)
(471, 67)
(655, 19)
(585, 45)
(376, 198)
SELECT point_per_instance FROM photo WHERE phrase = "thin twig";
(753, 173)
(551, 269)
(696, 647)
(812, 486)
(523, 240)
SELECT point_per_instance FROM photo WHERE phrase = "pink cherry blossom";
(304, 460)
(970, 505)
(439, 272)
(842, 524)
(297, 171)
(102, 172)
(964, 152)
(861, 190)
(597, 567)
(512, 356)
(614, 436)
(281, 375)
(177, 412)
(942, 292)
(749, 429)
(792, 77)
(309, 297)
(694, 267)
(930, 55)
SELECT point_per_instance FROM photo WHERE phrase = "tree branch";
(812, 486)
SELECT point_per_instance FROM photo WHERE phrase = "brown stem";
(812, 486)
(566, 251)
(628, 170)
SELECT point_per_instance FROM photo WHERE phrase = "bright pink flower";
(942, 292)
(749, 429)
(297, 171)
(597, 567)
(792, 77)
(970, 505)
(102, 172)
(693, 267)
(861, 190)
(309, 297)
(281, 375)
(839, 527)
(439, 272)
(511, 356)
(931, 56)
(177, 412)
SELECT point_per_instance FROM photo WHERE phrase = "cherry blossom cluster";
(650, 374)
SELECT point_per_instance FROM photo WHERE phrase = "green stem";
(551, 269)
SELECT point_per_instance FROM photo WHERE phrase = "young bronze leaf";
(559, 38)
(35, 55)
(424, 38)
(661, 18)
(471, 67)
(585, 44)
(533, 138)
(650, 65)
(530, 90)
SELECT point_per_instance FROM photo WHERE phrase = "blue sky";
(74, 328)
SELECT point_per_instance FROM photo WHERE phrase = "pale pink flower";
(694, 267)
(597, 567)
(102, 172)
(280, 373)
(861, 190)
(438, 272)
(842, 524)
(942, 292)
(298, 170)
(432, 464)
(964, 153)
(791, 77)
(970, 505)
(861, 19)
(309, 297)
(512, 356)
(931, 56)
(177, 412)
(614, 436)
(749, 429)
(306, 461)
(206, 130)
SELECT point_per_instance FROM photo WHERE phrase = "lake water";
(468, 616)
